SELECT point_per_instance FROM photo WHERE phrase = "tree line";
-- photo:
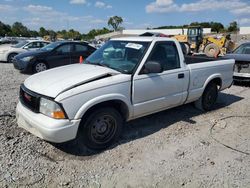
(215, 26)
(19, 30)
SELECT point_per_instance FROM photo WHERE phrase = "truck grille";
(29, 99)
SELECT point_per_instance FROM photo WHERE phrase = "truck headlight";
(51, 109)
(27, 59)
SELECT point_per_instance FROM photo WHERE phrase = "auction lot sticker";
(134, 46)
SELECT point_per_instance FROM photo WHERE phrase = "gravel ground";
(181, 147)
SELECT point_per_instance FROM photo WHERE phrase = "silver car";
(242, 62)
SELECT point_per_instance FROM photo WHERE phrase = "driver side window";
(32, 45)
(64, 49)
(166, 54)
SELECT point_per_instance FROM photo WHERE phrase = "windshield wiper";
(101, 64)
(106, 65)
(97, 63)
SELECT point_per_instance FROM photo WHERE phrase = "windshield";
(51, 46)
(242, 49)
(20, 44)
(122, 56)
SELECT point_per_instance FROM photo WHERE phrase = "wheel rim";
(103, 129)
(212, 51)
(40, 67)
(11, 58)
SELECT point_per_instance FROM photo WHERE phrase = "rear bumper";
(241, 77)
(44, 127)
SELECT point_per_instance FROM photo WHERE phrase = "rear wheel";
(208, 98)
(101, 128)
(212, 50)
(39, 67)
(11, 57)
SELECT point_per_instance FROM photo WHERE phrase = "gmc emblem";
(28, 97)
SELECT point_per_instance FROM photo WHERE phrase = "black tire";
(101, 128)
(212, 50)
(11, 57)
(39, 67)
(208, 98)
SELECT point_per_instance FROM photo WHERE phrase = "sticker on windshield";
(134, 46)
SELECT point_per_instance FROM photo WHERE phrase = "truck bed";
(199, 59)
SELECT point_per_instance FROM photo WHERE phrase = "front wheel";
(208, 98)
(101, 128)
(39, 67)
(11, 57)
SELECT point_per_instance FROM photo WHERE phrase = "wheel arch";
(120, 103)
(217, 78)
(9, 53)
(213, 79)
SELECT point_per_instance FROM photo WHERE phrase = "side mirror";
(26, 47)
(152, 67)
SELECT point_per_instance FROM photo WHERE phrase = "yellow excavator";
(196, 42)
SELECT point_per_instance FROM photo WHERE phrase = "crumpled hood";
(55, 81)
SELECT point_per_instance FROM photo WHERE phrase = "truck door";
(157, 91)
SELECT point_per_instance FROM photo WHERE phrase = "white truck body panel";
(57, 80)
(80, 87)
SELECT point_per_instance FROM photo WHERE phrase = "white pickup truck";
(125, 79)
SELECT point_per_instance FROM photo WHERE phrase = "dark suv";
(53, 55)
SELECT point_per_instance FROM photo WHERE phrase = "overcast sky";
(84, 15)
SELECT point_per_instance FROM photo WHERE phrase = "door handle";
(180, 75)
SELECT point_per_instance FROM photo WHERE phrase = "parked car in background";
(53, 55)
(8, 41)
(242, 62)
(7, 53)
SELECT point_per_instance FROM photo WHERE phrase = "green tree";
(233, 27)
(216, 27)
(115, 22)
(63, 34)
(52, 35)
(43, 32)
(202, 24)
(72, 34)
(18, 29)
(33, 33)
(94, 32)
(4, 29)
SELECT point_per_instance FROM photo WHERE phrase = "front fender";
(103, 98)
